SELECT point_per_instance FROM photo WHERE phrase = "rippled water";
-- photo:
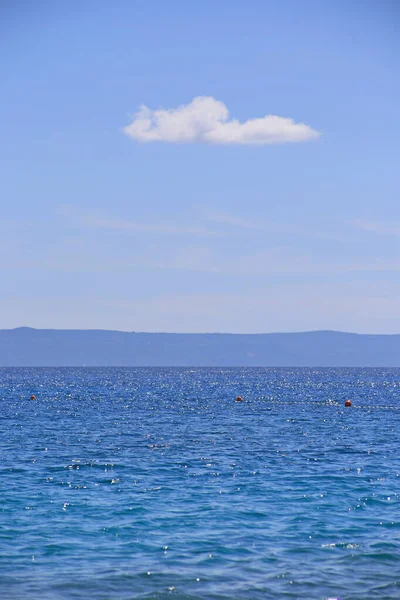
(154, 483)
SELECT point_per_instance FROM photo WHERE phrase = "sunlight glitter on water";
(155, 483)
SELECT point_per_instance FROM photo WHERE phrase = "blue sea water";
(155, 484)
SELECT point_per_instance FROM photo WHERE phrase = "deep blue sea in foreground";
(155, 484)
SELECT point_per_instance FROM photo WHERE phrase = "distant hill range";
(92, 348)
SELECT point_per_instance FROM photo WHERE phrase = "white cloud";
(156, 228)
(206, 120)
(274, 228)
(379, 227)
(95, 221)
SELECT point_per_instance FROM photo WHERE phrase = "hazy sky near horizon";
(145, 186)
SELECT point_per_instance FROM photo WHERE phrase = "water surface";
(155, 484)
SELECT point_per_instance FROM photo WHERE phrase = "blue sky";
(195, 220)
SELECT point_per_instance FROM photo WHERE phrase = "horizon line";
(310, 331)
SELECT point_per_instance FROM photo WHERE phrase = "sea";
(155, 484)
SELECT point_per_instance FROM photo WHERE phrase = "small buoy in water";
(33, 397)
(347, 403)
(239, 399)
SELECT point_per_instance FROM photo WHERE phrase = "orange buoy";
(33, 397)
(347, 403)
(239, 399)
